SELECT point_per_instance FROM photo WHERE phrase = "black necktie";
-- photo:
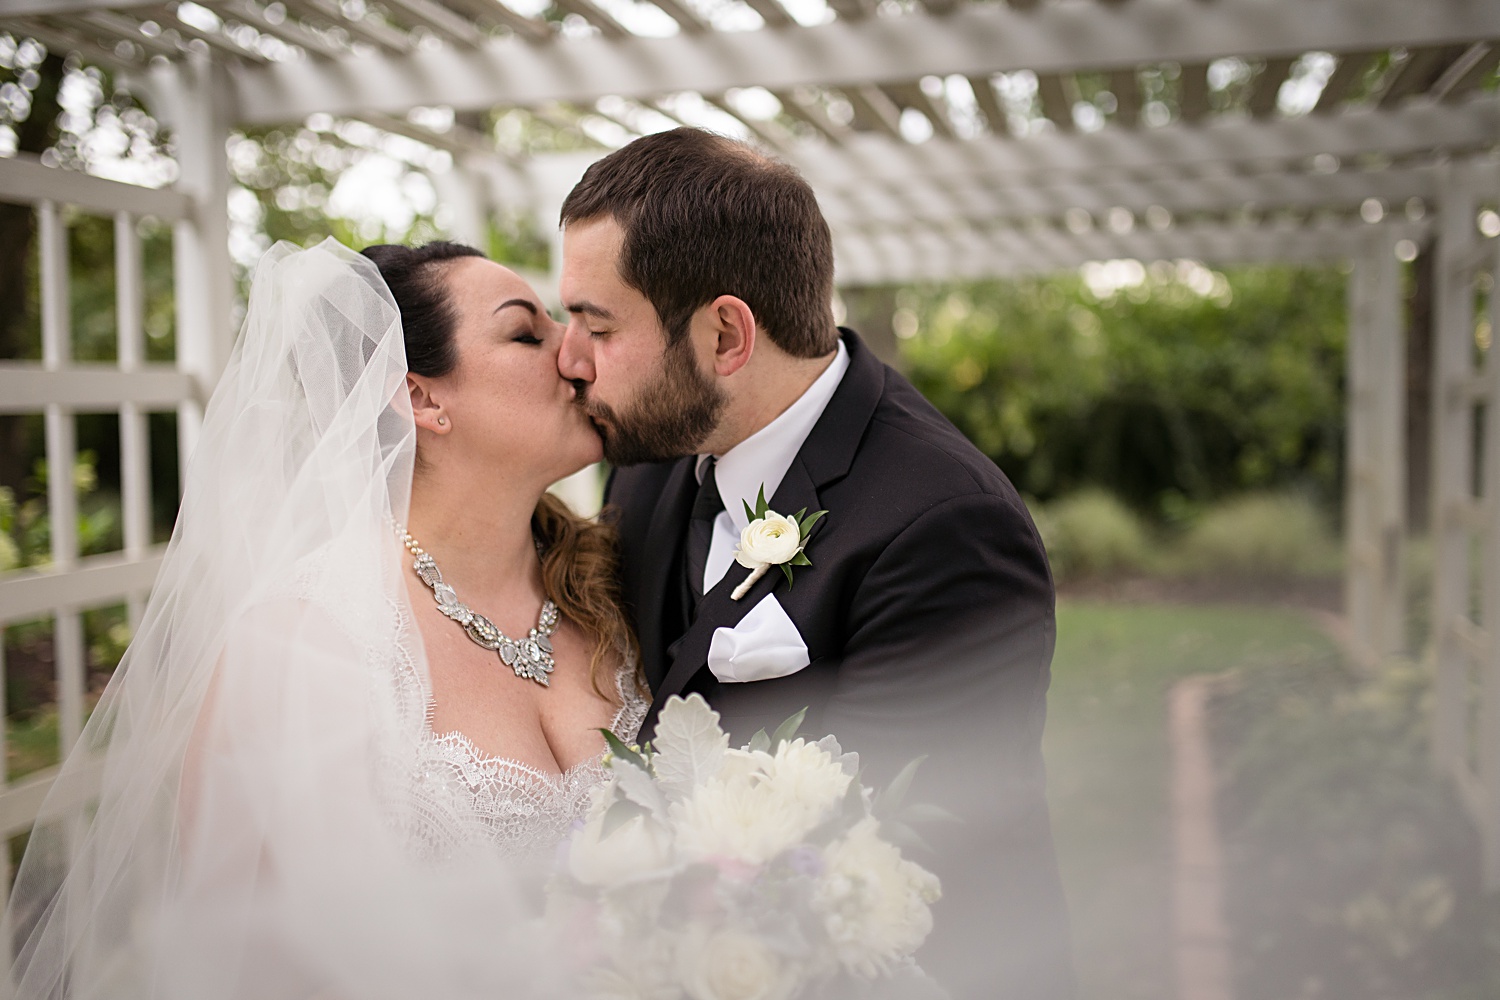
(706, 507)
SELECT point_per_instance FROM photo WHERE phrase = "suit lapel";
(660, 556)
(824, 457)
(718, 609)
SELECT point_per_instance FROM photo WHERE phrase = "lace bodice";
(468, 800)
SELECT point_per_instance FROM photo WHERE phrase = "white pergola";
(946, 139)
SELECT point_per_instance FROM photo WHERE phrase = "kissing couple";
(364, 705)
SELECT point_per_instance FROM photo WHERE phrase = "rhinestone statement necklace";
(530, 657)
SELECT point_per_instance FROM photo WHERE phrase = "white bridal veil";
(257, 741)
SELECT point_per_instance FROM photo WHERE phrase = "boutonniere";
(772, 539)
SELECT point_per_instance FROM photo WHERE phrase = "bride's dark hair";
(579, 555)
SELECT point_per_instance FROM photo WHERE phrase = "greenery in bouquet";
(767, 872)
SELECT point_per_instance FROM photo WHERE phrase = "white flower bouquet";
(763, 873)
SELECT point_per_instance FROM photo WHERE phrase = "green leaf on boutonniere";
(805, 526)
(800, 559)
(786, 570)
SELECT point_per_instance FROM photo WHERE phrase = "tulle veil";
(256, 742)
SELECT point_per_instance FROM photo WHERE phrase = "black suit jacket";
(928, 617)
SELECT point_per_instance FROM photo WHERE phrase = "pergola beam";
(935, 255)
(1413, 130)
(976, 40)
(984, 204)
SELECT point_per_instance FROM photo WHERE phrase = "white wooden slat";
(874, 205)
(24, 180)
(1110, 152)
(135, 441)
(28, 387)
(930, 255)
(438, 19)
(977, 39)
(61, 449)
(6, 932)
(1360, 574)
(19, 803)
(23, 8)
(95, 580)
(1489, 667)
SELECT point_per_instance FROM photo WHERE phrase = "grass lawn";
(1109, 765)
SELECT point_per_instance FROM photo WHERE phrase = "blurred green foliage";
(26, 527)
(1167, 394)
(1268, 536)
(1090, 533)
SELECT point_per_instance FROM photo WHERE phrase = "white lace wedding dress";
(465, 798)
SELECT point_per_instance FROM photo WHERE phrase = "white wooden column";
(464, 198)
(1375, 488)
(135, 435)
(1466, 507)
(62, 451)
(194, 98)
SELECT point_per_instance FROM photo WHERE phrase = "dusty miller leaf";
(639, 787)
(689, 743)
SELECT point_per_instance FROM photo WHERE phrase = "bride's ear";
(427, 411)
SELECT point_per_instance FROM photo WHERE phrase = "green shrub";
(1092, 534)
(1258, 534)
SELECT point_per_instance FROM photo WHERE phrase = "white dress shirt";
(762, 459)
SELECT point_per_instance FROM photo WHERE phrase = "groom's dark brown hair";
(704, 216)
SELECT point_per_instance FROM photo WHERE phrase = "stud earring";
(442, 421)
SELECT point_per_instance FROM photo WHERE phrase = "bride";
(364, 702)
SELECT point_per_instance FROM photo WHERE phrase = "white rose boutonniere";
(772, 539)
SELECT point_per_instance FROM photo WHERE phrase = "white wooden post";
(1361, 555)
(1452, 472)
(135, 440)
(1375, 487)
(194, 98)
(62, 450)
(464, 198)
(1489, 706)
(1466, 736)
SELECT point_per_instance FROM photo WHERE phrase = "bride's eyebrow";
(526, 304)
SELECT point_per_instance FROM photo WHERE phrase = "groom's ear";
(427, 411)
(733, 325)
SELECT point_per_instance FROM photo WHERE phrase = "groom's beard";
(672, 415)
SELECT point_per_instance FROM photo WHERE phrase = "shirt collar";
(763, 457)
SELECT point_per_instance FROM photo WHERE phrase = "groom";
(698, 276)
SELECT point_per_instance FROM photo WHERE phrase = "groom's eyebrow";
(526, 304)
(590, 309)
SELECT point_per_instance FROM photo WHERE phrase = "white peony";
(769, 540)
(808, 776)
(735, 817)
(760, 804)
(875, 904)
(730, 964)
(637, 848)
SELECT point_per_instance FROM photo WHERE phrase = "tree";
(1180, 385)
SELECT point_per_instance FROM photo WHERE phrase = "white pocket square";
(765, 644)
